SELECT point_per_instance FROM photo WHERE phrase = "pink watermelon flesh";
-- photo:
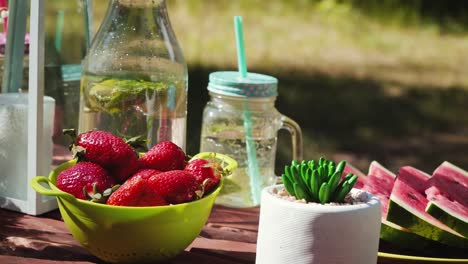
(407, 208)
(361, 176)
(380, 183)
(448, 196)
(452, 182)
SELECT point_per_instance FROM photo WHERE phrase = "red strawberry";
(84, 175)
(176, 186)
(208, 173)
(109, 151)
(164, 156)
(137, 192)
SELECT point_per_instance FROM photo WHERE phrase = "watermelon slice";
(448, 197)
(361, 176)
(407, 209)
(380, 183)
(404, 238)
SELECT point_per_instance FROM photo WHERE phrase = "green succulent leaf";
(299, 192)
(343, 191)
(287, 172)
(340, 167)
(288, 184)
(303, 170)
(318, 180)
(352, 180)
(303, 186)
(348, 177)
(334, 181)
(314, 185)
(308, 177)
(343, 182)
(324, 193)
(320, 174)
(331, 168)
(321, 161)
(296, 174)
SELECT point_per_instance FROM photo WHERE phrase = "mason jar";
(241, 121)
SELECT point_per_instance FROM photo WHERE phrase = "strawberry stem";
(96, 196)
(138, 143)
(227, 163)
(71, 132)
(78, 152)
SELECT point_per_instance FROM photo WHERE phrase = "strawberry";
(207, 172)
(137, 192)
(84, 180)
(164, 156)
(176, 186)
(109, 151)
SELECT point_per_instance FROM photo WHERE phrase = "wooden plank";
(26, 239)
(215, 231)
(23, 260)
(224, 245)
(46, 239)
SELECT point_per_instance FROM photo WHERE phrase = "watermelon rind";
(398, 214)
(449, 218)
(390, 232)
(452, 209)
(404, 238)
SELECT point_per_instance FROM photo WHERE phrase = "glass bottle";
(134, 79)
(241, 121)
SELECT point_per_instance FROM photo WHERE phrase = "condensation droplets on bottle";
(135, 76)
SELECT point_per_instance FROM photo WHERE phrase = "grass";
(329, 39)
(362, 87)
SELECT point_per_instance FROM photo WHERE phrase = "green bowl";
(121, 234)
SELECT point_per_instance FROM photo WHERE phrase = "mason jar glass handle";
(296, 136)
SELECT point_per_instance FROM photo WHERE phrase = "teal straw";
(252, 157)
(59, 30)
(14, 54)
(250, 144)
(241, 61)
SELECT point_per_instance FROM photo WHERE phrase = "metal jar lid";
(232, 84)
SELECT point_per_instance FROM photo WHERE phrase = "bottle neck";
(136, 17)
(140, 3)
(136, 39)
(252, 103)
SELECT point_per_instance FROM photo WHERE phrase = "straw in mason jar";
(14, 55)
(59, 30)
(250, 144)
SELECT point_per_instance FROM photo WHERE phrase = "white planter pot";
(291, 232)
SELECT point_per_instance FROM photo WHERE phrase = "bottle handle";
(296, 137)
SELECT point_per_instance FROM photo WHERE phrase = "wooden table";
(229, 237)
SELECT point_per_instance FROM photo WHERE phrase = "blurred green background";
(365, 79)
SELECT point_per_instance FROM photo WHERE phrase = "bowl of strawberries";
(129, 207)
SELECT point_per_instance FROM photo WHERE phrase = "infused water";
(240, 193)
(134, 107)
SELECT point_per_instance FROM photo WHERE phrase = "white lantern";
(26, 123)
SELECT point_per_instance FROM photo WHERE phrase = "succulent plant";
(319, 182)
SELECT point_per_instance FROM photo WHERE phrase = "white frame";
(34, 203)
